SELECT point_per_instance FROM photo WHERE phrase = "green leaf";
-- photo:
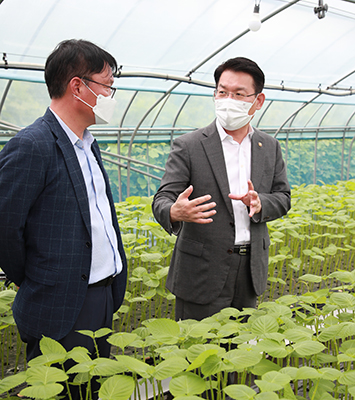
(170, 367)
(347, 378)
(50, 346)
(273, 348)
(331, 250)
(45, 375)
(87, 333)
(187, 384)
(307, 373)
(122, 339)
(7, 296)
(343, 300)
(151, 281)
(139, 272)
(343, 276)
(264, 324)
(240, 392)
(196, 349)
(229, 329)
(310, 278)
(272, 381)
(82, 367)
(47, 359)
(12, 381)
(151, 257)
(150, 294)
(134, 365)
(329, 333)
(308, 347)
(298, 334)
(81, 378)
(330, 374)
(194, 330)
(290, 371)
(42, 391)
(348, 345)
(118, 387)
(102, 332)
(201, 359)
(212, 365)
(163, 329)
(242, 359)
(264, 366)
(161, 273)
(79, 354)
(106, 367)
(267, 396)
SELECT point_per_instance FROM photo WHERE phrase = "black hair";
(74, 58)
(242, 64)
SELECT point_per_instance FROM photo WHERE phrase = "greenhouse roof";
(186, 39)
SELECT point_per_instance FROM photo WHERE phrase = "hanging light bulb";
(255, 23)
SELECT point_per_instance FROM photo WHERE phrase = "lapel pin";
(260, 144)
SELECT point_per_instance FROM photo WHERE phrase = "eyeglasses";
(112, 89)
(223, 94)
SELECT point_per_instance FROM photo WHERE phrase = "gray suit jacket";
(202, 253)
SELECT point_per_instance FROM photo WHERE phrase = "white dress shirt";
(106, 259)
(238, 163)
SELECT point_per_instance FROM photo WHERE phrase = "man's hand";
(250, 199)
(192, 210)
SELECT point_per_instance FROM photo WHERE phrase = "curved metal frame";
(187, 78)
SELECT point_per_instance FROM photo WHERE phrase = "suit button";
(84, 277)
(231, 224)
(88, 245)
(230, 251)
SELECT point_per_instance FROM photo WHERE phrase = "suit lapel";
(257, 159)
(73, 167)
(214, 152)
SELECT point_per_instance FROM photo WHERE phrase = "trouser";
(96, 313)
(238, 292)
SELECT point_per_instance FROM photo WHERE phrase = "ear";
(260, 101)
(75, 85)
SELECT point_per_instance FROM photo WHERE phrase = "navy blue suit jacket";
(45, 232)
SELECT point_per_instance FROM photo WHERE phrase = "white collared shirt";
(105, 258)
(238, 164)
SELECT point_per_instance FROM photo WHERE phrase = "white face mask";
(104, 108)
(233, 114)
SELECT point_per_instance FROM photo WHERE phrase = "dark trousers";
(238, 292)
(97, 312)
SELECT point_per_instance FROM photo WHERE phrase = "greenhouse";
(299, 341)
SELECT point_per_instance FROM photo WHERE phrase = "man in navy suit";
(59, 238)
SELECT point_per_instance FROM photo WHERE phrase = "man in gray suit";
(222, 184)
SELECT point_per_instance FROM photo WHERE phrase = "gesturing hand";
(192, 210)
(250, 199)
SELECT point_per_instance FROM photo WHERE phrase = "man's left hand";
(251, 199)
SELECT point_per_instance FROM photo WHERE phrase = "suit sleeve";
(277, 202)
(175, 180)
(21, 177)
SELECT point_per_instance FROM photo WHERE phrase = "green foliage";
(284, 354)
(329, 168)
(297, 344)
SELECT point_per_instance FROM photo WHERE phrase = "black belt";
(242, 249)
(104, 282)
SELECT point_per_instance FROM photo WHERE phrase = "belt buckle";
(242, 250)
